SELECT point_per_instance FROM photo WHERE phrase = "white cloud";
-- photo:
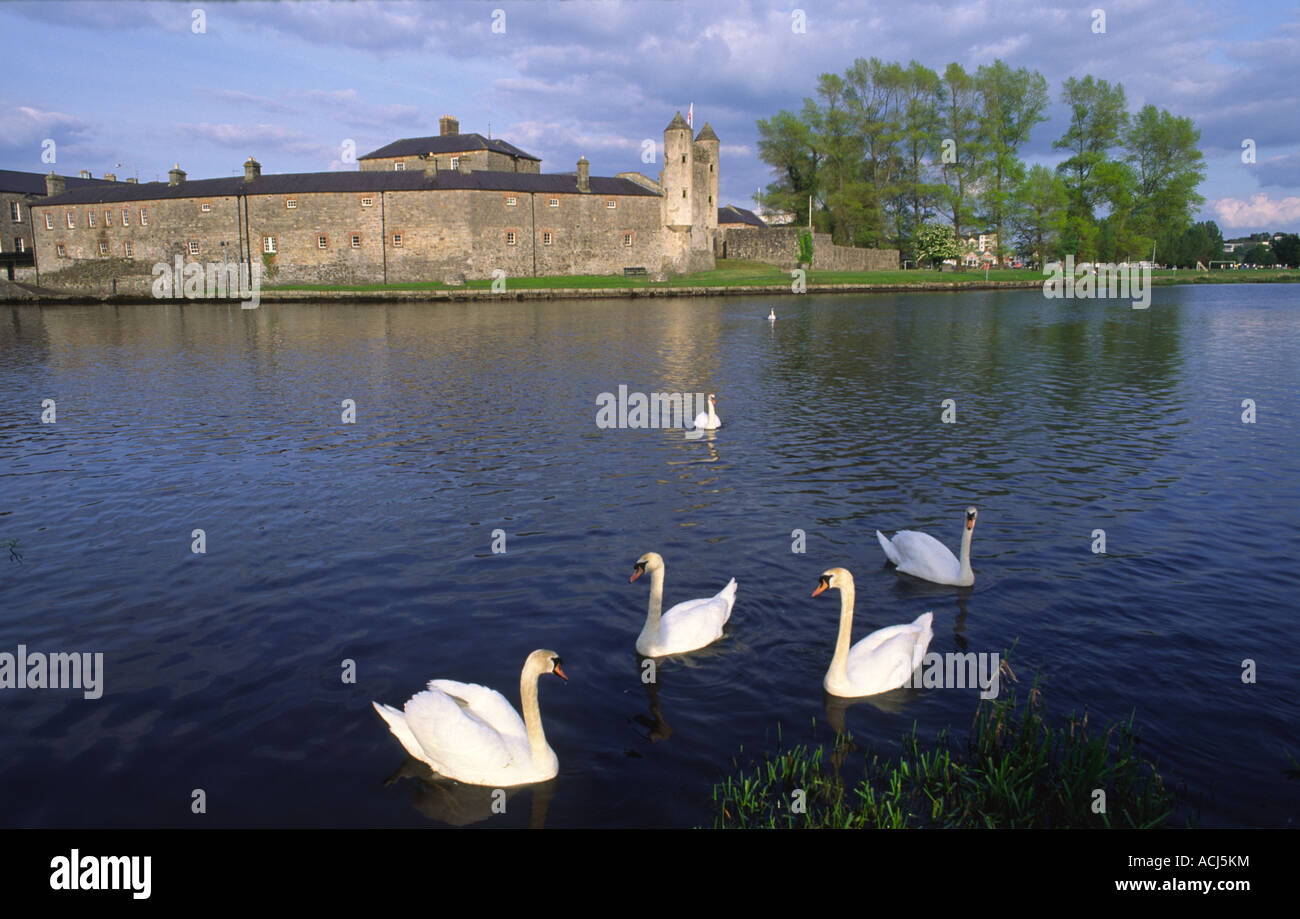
(1260, 211)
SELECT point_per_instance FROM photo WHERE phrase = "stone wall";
(476, 160)
(780, 246)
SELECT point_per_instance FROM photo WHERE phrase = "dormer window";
(399, 166)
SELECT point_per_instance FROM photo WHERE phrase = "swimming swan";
(708, 421)
(688, 626)
(925, 557)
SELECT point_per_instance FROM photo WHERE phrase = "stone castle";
(445, 208)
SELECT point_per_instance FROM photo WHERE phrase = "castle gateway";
(451, 207)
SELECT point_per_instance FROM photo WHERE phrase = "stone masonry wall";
(780, 246)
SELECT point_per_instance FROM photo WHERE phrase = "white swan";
(472, 734)
(882, 661)
(687, 626)
(925, 557)
(771, 314)
(708, 421)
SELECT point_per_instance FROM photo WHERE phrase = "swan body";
(771, 314)
(708, 421)
(882, 661)
(689, 625)
(472, 734)
(923, 556)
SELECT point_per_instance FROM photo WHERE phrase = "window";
(455, 162)
(511, 200)
(103, 247)
(291, 203)
(144, 216)
(90, 218)
(60, 251)
(108, 217)
(367, 202)
(554, 202)
(126, 216)
(14, 213)
(20, 245)
(322, 242)
(49, 221)
(356, 241)
(683, 157)
(268, 245)
(397, 240)
(683, 193)
(510, 237)
(627, 239)
(194, 248)
(610, 203)
(128, 249)
(72, 220)
(546, 238)
(399, 166)
(206, 207)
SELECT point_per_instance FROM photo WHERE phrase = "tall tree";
(1168, 167)
(1098, 117)
(786, 144)
(1038, 210)
(960, 148)
(919, 140)
(1011, 103)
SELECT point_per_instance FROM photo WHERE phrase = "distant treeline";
(887, 148)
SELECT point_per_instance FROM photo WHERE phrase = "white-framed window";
(144, 216)
(511, 200)
(367, 202)
(72, 220)
(20, 244)
(194, 248)
(268, 245)
(108, 216)
(103, 247)
(356, 240)
(322, 241)
(455, 162)
(15, 212)
(60, 250)
(399, 166)
(90, 218)
(547, 238)
(49, 221)
(511, 239)
(126, 216)
(397, 240)
(206, 207)
(291, 203)
(554, 202)
(627, 239)
(128, 249)
(611, 203)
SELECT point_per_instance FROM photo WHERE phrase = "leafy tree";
(1038, 212)
(1011, 103)
(1258, 254)
(1167, 166)
(936, 242)
(961, 147)
(1098, 117)
(1286, 249)
(786, 144)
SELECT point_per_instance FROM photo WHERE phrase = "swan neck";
(655, 610)
(966, 534)
(532, 713)
(839, 670)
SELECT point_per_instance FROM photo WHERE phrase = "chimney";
(110, 177)
(55, 185)
(85, 173)
(448, 126)
(252, 170)
(132, 180)
(584, 175)
(176, 175)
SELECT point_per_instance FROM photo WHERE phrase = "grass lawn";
(732, 273)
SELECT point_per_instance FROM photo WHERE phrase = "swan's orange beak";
(970, 523)
(820, 588)
(636, 573)
(560, 673)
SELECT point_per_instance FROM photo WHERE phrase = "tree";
(961, 150)
(1038, 212)
(1011, 103)
(1259, 254)
(786, 144)
(936, 243)
(1098, 117)
(1286, 249)
(1168, 167)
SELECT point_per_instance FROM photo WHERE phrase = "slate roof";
(33, 183)
(734, 215)
(448, 143)
(368, 181)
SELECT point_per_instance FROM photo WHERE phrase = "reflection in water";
(657, 728)
(457, 804)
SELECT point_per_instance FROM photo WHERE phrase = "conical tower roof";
(678, 124)
(706, 133)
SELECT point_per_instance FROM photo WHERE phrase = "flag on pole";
(690, 115)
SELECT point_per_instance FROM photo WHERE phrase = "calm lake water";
(373, 541)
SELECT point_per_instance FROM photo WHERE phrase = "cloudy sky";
(133, 87)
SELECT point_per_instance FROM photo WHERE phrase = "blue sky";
(289, 82)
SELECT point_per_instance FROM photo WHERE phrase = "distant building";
(19, 191)
(732, 216)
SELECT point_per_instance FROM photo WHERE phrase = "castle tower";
(678, 173)
(708, 147)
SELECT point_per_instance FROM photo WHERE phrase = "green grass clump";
(1015, 771)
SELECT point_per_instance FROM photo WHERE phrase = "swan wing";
(701, 421)
(890, 552)
(457, 743)
(695, 623)
(487, 704)
(925, 557)
(883, 667)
